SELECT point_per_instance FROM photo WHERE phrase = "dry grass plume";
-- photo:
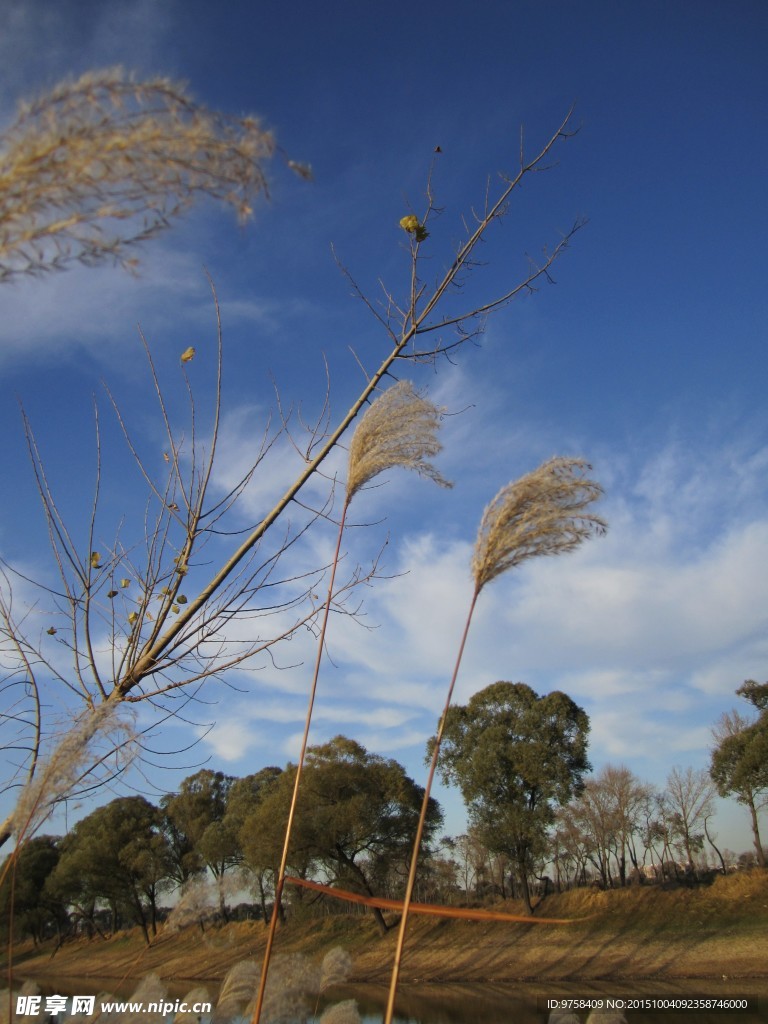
(542, 513)
(399, 429)
(103, 162)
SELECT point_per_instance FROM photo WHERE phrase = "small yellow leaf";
(166, 456)
(52, 631)
(125, 583)
(95, 559)
(132, 616)
(409, 223)
(175, 609)
(112, 593)
(173, 507)
(188, 355)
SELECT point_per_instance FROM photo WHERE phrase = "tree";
(689, 796)
(355, 818)
(516, 757)
(245, 796)
(609, 813)
(145, 594)
(199, 812)
(27, 907)
(117, 854)
(739, 765)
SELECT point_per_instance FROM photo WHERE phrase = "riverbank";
(706, 932)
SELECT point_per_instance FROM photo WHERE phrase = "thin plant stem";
(280, 884)
(422, 818)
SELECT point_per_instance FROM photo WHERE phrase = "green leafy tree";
(117, 854)
(27, 906)
(516, 757)
(739, 765)
(244, 798)
(356, 818)
(199, 813)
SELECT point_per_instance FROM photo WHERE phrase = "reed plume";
(335, 968)
(64, 768)
(199, 994)
(149, 990)
(292, 979)
(542, 513)
(398, 430)
(236, 991)
(8, 997)
(103, 162)
(345, 1012)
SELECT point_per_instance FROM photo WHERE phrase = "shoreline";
(715, 933)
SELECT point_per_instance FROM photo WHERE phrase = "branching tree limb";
(129, 624)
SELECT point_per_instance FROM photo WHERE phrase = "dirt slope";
(708, 932)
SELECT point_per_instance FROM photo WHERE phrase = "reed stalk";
(398, 430)
(542, 513)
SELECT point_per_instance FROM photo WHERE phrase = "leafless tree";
(148, 615)
(690, 793)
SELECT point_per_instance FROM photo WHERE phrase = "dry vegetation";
(646, 932)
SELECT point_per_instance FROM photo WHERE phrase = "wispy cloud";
(663, 621)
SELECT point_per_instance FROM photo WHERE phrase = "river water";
(533, 1004)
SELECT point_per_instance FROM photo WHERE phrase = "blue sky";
(647, 356)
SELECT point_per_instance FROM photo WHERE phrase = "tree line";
(537, 820)
(355, 824)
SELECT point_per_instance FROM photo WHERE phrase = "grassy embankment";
(706, 932)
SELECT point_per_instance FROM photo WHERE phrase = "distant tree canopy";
(118, 854)
(356, 818)
(24, 894)
(515, 757)
(739, 766)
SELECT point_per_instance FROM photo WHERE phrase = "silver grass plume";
(542, 513)
(8, 998)
(199, 994)
(149, 990)
(105, 161)
(292, 978)
(399, 429)
(62, 770)
(345, 1012)
(236, 991)
(335, 968)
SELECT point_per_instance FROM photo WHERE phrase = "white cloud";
(42, 43)
(650, 629)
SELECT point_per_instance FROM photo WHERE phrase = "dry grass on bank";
(706, 932)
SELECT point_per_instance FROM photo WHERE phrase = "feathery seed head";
(345, 1012)
(542, 513)
(335, 968)
(399, 429)
(105, 161)
(59, 774)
